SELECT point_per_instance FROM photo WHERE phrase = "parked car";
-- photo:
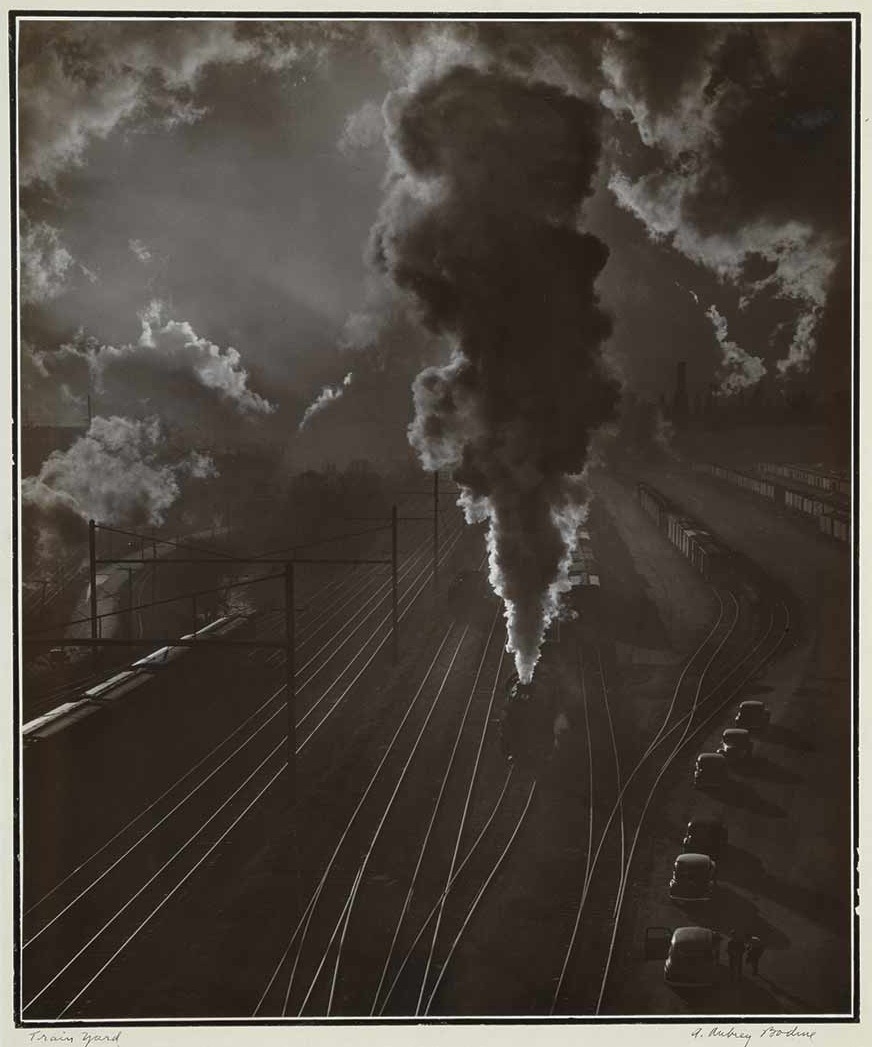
(752, 715)
(693, 878)
(705, 834)
(711, 771)
(691, 961)
(736, 744)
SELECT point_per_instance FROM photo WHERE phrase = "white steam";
(165, 353)
(117, 473)
(328, 395)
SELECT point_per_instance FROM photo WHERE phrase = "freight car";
(117, 686)
(811, 476)
(836, 525)
(832, 502)
(757, 485)
(694, 542)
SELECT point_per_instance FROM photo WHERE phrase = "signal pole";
(291, 705)
(92, 564)
(290, 683)
(394, 615)
(435, 528)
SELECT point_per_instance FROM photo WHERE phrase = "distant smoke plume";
(480, 224)
(327, 396)
(115, 474)
(738, 369)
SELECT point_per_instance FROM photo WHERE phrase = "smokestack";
(679, 402)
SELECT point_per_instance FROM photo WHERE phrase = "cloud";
(707, 115)
(45, 262)
(79, 81)
(802, 260)
(117, 473)
(169, 361)
(364, 128)
(140, 250)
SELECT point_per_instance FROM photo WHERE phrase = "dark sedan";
(705, 835)
(736, 744)
(693, 878)
(710, 771)
(753, 716)
(692, 961)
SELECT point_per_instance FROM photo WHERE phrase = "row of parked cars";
(692, 954)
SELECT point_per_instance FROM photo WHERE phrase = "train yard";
(419, 872)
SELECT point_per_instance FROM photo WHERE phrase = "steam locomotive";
(527, 725)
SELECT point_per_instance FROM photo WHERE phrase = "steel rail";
(614, 751)
(590, 823)
(432, 948)
(438, 803)
(384, 640)
(592, 863)
(353, 818)
(467, 799)
(479, 896)
(384, 817)
(479, 837)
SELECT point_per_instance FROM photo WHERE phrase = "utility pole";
(92, 558)
(435, 528)
(290, 682)
(130, 601)
(394, 615)
(291, 705)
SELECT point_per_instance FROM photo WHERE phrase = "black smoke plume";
(481, 225)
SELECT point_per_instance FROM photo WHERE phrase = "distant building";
(680, 410)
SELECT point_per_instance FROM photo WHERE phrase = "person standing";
(753, 951)
(735, 951)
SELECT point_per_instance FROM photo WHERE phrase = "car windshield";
(691, 868)
(685, 950)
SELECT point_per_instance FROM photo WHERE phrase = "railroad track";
(307, 658)
(435, 896)
(685, 731)
(711, 677)
(104, 891)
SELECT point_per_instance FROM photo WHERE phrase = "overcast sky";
(224, 178)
